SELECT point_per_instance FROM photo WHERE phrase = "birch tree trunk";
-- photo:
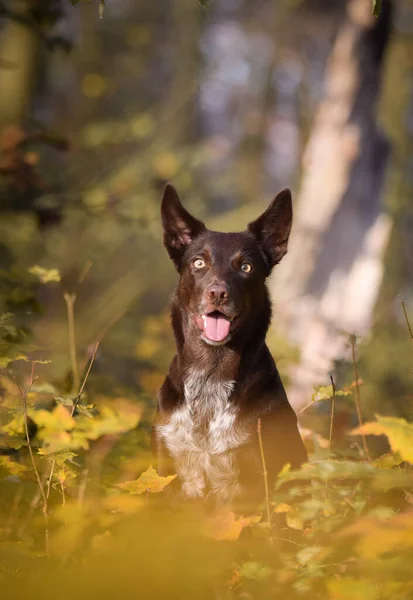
(329, 281)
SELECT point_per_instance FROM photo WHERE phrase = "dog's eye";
(246, 267)
(199, 263)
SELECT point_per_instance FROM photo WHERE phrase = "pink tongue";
(216, 328)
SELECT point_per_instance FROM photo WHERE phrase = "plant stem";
(358, 402)
(407, 319)
(333, 402)
(265, 473)
(330, 439)
(305, 407)
(62, 487)
(49, 481)
(24, 395)
(79, 395)
(84, 271)
(70, 300)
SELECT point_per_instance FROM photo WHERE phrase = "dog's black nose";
(217, 293)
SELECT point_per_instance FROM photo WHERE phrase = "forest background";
(100, 105)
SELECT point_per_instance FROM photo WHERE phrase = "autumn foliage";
(80, 509)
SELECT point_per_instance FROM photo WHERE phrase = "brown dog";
(223, 377)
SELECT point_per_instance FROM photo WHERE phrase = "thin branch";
(92, 360)
(49, 480)
(85, 473)
(24, 394)
(333, 402)
(330, 439)
(358, 401)
(70, 300)
(305, 407)
(84, 271)
(104, 331)
(265, 473)
(407, 318)
(62, 487)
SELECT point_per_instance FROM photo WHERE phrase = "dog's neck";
(227, 362)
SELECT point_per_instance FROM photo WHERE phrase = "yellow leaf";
(398, 431)
(283, 508)
(292, 517)
(226, 526)
(58, 419)
(149, 481)
(14, 468)
(110, 422)
(294, 520)
(45, 275)
(378, 537)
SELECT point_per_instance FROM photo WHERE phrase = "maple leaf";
(149, 481)
(226, 526)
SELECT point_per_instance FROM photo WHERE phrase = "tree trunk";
(329, 282)
(19, 46)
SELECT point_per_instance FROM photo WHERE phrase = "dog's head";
(222, 275)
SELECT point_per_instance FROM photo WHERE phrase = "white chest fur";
(202, 438)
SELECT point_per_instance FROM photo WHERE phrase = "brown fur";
(241, 370)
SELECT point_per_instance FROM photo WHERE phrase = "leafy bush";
(82, 513)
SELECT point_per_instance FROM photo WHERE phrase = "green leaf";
(36, 362)
(325, 392)
(329, 469)
(44, 388)
(85, 410)
(6, 360)
(376, 7)
(20, 356)
(149, 481)
(64, 401)
(61, 456)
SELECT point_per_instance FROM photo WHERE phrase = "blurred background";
(231, 100)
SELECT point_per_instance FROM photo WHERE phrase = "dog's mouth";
(215, 327)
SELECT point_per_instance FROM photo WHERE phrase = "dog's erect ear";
(179, 227)
(272, 228)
